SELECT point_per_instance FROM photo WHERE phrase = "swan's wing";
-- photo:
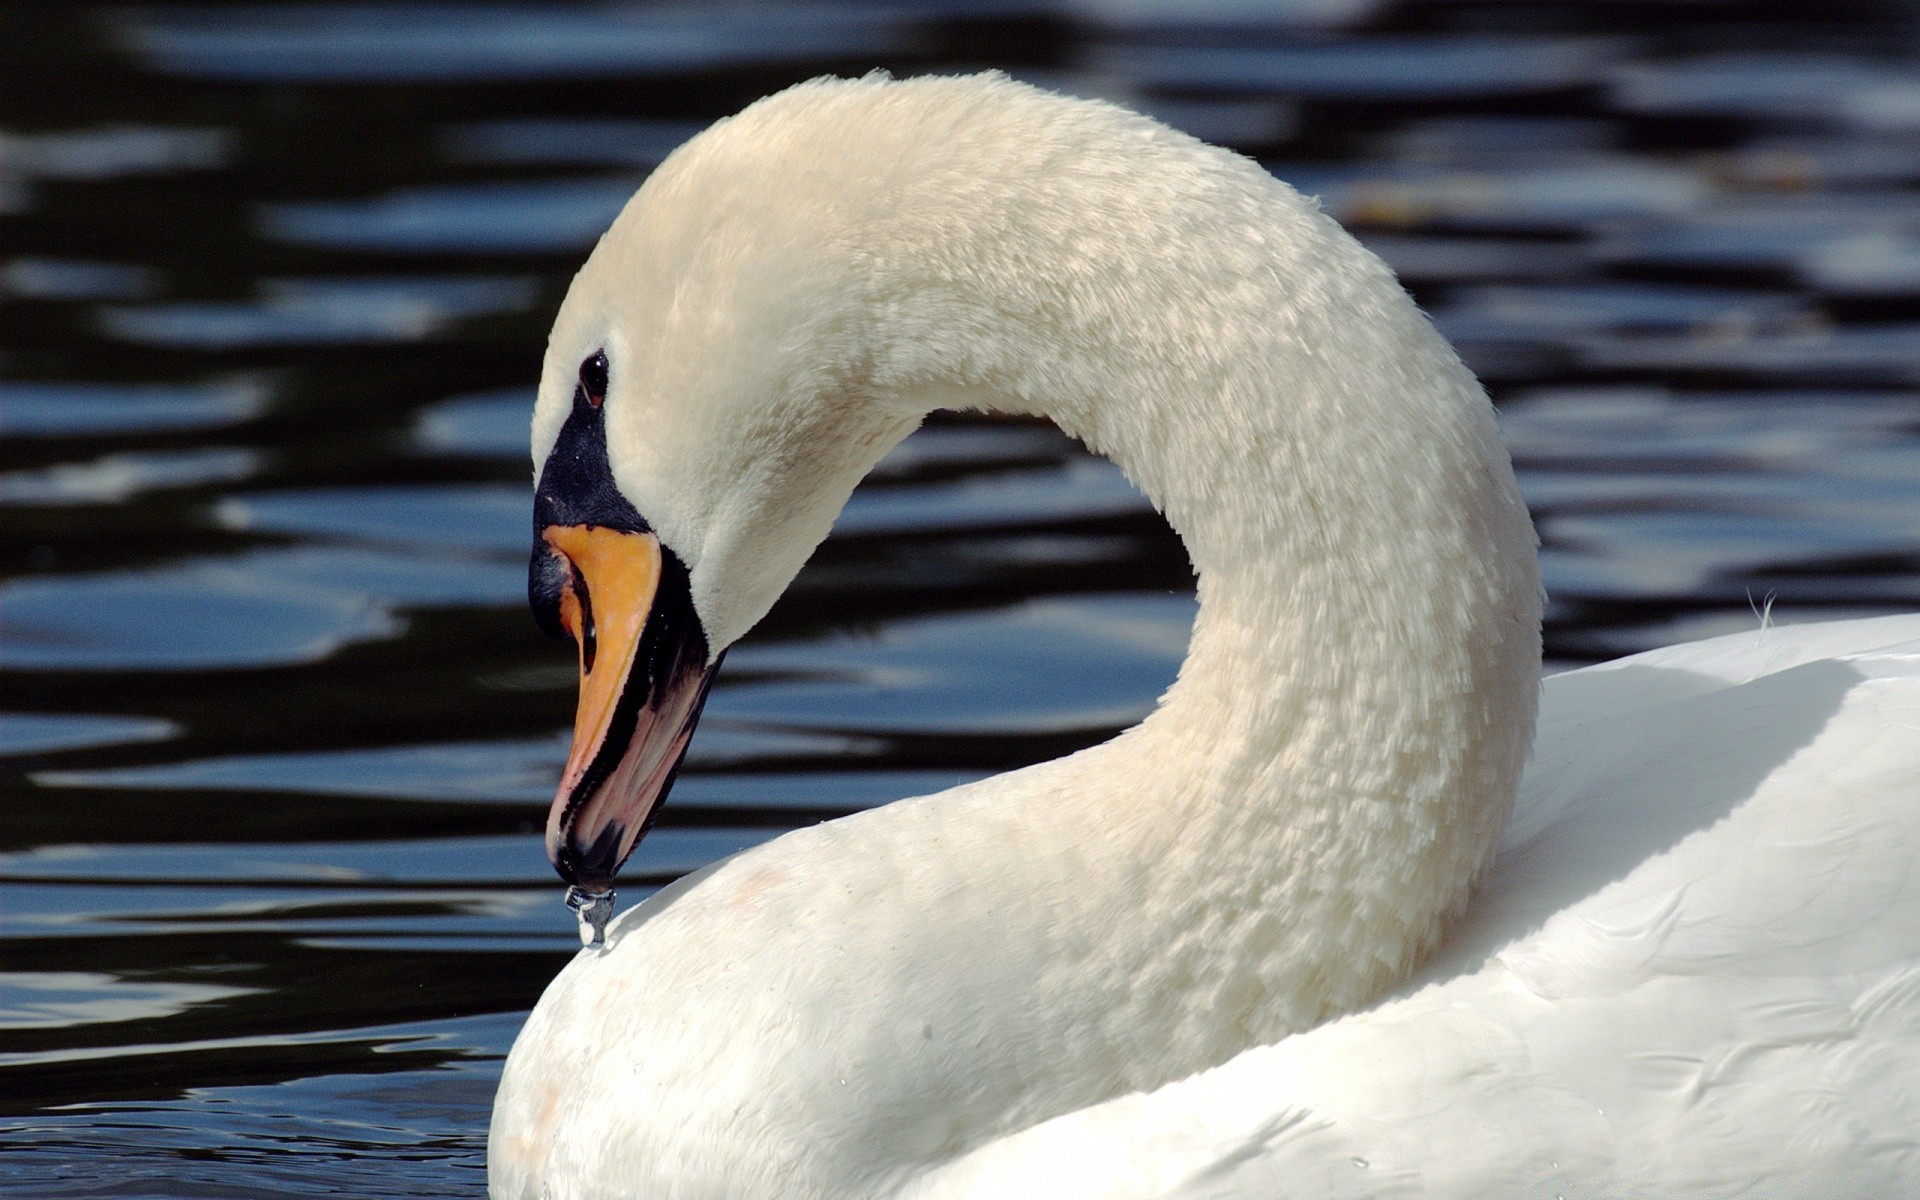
(1694, 971)
(1571, 764)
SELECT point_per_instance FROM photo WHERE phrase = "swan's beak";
(644, 675)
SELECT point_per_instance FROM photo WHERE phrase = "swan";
(1304, 930)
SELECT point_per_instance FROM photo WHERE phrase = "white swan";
(1693, 971)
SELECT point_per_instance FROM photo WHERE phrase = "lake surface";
(279, 732)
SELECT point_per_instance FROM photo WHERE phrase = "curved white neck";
(1287, 833)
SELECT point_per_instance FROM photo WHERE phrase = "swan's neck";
(1333, 766)
(1287, 833)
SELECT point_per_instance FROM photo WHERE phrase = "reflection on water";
(543, 217)
(34, 733)
(412, 44)
(57, 999)
(121, 476)
(71, 409)
(280, 732)
(302, 311)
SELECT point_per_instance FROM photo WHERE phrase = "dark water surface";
(279, 732)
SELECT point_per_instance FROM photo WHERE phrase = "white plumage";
(1693, 969)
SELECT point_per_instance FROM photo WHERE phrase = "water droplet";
(1359, 1162)
(593, 909)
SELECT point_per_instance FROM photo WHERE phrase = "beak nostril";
(588, 641)
(584, 624)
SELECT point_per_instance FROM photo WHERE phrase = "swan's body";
(1692, 972)
(956, 994)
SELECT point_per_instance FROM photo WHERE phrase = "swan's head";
(708, 403)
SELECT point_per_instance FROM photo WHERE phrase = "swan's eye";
(593, 378)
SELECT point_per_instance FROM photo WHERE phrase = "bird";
(1333, 920)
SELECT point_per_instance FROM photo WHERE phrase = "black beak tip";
(592, 867)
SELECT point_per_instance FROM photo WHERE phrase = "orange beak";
(644, 676)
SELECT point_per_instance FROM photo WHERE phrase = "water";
(279, 732)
